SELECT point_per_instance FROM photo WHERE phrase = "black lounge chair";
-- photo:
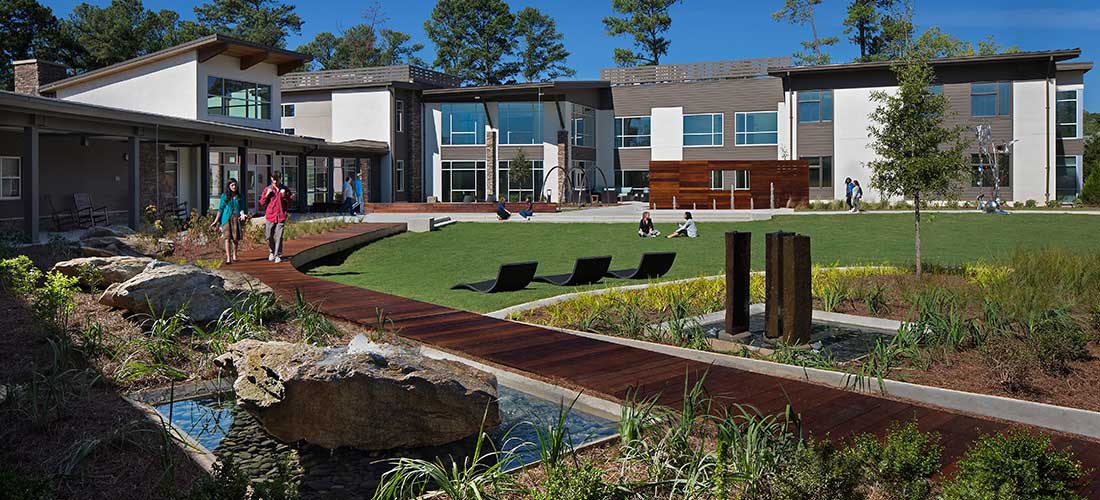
(586, 271)
(511, 277)
(653, 265)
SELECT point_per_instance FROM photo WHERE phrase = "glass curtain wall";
(463, 181)
(523, 189)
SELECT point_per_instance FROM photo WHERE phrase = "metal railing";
(693, 72)
(359, 76)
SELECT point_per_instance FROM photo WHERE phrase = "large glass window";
(520, 122)
(288, 166)
(991, 99)
(237, 99)
(224, 165)
(1067, 114)
(462, 179)
(288, 110)
(521, 187)
(11, 186)
(635, 179)
(317, 181)
(463, 123)
(983, 174)
(584, 126)
(821, 171)
(703, 130)
(757, 129)
(632, 132)
(1065, 177)
(815, 106)
(729, 179)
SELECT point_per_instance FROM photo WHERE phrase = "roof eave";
(1051, 55)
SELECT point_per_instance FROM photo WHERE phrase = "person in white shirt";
(857, 197)
(686, 228)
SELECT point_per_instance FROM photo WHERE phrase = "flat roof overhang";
(207, 48)
(18, 111)
(512, 92)
(1048, 55)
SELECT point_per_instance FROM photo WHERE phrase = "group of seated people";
(526, 213)
(686, 228)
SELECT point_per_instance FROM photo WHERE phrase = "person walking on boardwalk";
(229, 218)
(276, 197)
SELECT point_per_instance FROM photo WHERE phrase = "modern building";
(170, 128)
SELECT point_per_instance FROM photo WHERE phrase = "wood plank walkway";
(612, 370)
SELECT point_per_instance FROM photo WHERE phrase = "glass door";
(259, 164)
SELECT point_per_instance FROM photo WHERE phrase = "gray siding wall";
(506, 153)
(583, 153)
(815, 139)
(959, 114)
(632, 159)
(462, 153)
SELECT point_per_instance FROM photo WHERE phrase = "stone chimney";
(31, 74)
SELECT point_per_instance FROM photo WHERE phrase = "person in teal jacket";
(229, 217)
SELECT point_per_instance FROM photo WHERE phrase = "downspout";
(1047, 136)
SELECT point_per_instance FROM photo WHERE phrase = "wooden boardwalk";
(611, 370)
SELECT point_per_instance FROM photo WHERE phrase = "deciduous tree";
(542, 54)
(801, 12)
(918, 154)
(648, 22)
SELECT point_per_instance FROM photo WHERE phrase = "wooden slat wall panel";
(689, 183)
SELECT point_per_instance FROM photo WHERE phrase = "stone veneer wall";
(415, 119)
(364, 176)
(158, 187)
(563, 162)
(490, 163)
(32, 74)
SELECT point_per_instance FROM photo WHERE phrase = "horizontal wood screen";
(687, 183)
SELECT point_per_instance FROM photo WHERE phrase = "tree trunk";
(916, 214)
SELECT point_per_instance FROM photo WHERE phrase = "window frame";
(740, 180)
(18, 177)
(446, 182)
(737, 133)
(1077, 180)
(582, 116)
(399, 176)
(291, 106)
(503, 124)
(999, 98)
(820, 159)
(447, 124)
(1077, 125)
(288, 131)
(720, 134)
(820, 100)
(259, 103)
(399, 115)
(503, 167)
(620, 126)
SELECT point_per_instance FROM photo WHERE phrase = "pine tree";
(29, 30)
(265, 22)
(647, 21)
(120, 31)
(543, 54)
(475, 40)
(801, 12)
(1090, 192)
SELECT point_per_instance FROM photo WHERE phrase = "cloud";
(1038, 18)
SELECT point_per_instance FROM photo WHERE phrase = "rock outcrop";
(367, 396)
(103, 270)
(169, 288)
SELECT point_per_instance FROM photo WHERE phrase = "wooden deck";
(609, 369)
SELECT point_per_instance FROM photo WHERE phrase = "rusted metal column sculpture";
(738, 261)
(789, 303)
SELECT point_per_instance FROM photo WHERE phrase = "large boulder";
(111, 246)
(237, 283)
(105, 270)
(164, 288)
(367, 396)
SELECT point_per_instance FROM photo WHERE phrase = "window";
(1066, 179)
(399, 116)
(288, 165)
(463, 124)
(757, 129)
(1067, 114)
(227, 163)
(11, 186)
(815, 106)
(936, 89)
(729, 179)
(520, 122)
(584, 126)
(288, 131)
(632, 132)
(983, 172)
(519, 188)
(238, 99)
(821, 171)
(462, 179)
(991, 99)
(635, 179)
(703, 130)
(288, 110)
(399, 176)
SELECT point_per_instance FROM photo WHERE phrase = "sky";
(709, 30)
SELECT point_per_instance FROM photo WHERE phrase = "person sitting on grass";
(686, 228)
(528, 212)
(502, 211)
(645, 227)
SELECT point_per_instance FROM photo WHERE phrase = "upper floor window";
(399, 116)
(463, 123)
(703, 129)
(991, 99)
(632, 132)
(520, 122)
(399, 176)
(821, 171)
(288, 131)
(1067, 114)
(815, 106)
(729, 179)
(757, 128)
(10, 178)
(236, 99)
(584, 126)
(288, 110)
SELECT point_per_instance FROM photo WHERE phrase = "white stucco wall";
(788, 136)
(230, 67)
(312, 115)
(550, 127)
(361, 114)
(852, 109)
(667, 129)
(165, 87)
(433, 138)
(1034, 152)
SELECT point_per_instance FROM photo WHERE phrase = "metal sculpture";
(989, 155)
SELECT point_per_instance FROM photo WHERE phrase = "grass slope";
(425, 265)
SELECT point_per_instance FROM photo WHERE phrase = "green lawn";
(425, 265)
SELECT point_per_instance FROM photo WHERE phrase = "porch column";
(29, 189)
(242, 183)
(133, 182)
(303, 184)
(490, 164)
(204, 178)
(330, 191)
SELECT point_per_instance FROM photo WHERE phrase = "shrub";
(53, 301)
(583, 482)
(1090, 192)
(1015, 465)
(818, 471)
(902, 466)
(1030, 204)
(1010, 364)
(1056, 338)
(19, 274)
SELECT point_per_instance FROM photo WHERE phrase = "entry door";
(259, 168)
